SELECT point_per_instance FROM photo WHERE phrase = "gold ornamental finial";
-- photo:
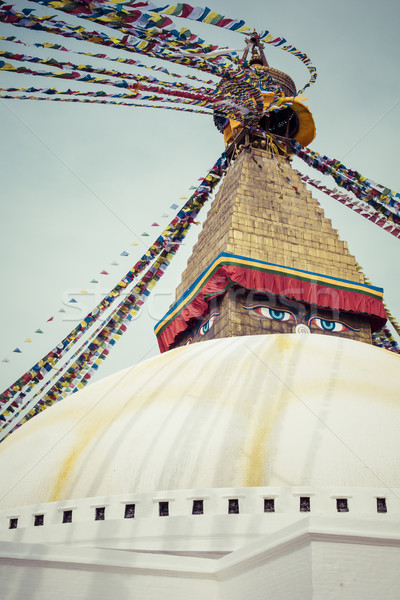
(254, 44)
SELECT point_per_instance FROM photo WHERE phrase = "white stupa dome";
(273, 410)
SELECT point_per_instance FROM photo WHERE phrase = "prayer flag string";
(168, 87)
(122, 15)
(103, 56)
(363, 188)
(115, 103)
(143, 34)
(164, 243)
(373, 211)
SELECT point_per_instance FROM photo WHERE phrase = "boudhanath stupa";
(258, 454)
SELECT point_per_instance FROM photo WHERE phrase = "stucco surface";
(265, 410)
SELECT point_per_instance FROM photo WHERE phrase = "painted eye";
(273, 313)
(205, 328)
(188, 341)
(327, 325)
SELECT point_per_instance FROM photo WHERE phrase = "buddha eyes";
(285, 315)
(327, 325)
(273, 313)
(205, 328)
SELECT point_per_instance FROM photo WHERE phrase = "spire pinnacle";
(255, 46)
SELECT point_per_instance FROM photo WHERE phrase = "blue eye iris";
(278, 315)
(328, 325)
(206, 327)
(272, 313)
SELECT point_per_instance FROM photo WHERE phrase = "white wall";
(316, 559)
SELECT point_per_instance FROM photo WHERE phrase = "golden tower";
(267, 259)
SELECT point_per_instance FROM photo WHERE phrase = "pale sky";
(81, 182)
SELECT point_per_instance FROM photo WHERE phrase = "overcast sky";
(81, 182)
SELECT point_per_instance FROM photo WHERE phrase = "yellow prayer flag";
(211, 16)
(170, 9)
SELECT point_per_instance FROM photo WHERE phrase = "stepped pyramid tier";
(268, 261)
